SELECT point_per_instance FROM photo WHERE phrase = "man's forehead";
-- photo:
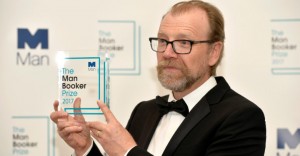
(185, 24)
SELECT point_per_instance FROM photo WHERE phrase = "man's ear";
(215, 53)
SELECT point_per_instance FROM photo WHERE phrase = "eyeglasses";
(179, 46)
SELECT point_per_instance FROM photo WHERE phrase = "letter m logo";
(24, 36)
(91, 64)
(285, 137)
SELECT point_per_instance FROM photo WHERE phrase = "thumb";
(77, 109)
(109, 116)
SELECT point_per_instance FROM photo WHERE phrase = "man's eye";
(184, 43)
(160, 41)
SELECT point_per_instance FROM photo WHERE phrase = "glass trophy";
(85, 76)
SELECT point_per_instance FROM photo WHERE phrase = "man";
(216, 120)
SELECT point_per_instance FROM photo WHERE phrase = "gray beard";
(177, 84)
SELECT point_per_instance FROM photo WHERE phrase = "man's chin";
(172, 83)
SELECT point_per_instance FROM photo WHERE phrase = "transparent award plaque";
(85, 76)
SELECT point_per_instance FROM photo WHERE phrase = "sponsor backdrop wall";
(262, 62)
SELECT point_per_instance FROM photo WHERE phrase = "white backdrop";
(262, 62)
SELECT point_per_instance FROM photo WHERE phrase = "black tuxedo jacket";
(223, 123)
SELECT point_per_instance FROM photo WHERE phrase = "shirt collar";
(195, 96)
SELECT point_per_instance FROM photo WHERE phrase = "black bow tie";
(178, 106)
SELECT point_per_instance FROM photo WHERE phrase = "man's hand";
(72, 130)
(113, 137)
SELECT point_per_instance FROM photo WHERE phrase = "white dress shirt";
(170, 122)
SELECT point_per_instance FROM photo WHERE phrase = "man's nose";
(169, 52)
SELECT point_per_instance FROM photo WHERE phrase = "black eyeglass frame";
(171, 42)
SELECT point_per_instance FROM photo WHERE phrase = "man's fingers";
(55, 105)
(96, 133)
(63, 124)
(77, 109)
(107, 113)
(69, 130)
(76, 105)
(96, 125)
(57, 115)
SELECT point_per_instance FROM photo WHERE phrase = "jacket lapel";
(152, 122)
(200, 110)
(196, 114)
(148, 133)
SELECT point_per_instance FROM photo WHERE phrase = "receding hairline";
(212, 13)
